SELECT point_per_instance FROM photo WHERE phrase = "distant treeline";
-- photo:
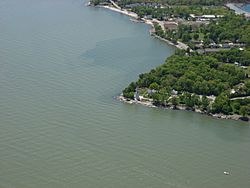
(178, 11)
(183, 2)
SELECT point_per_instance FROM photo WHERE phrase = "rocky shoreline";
(182, 107)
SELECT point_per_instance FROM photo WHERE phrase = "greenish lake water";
(61, 65)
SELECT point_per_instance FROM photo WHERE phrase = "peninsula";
(209, 72)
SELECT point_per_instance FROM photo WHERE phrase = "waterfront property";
(202, 34)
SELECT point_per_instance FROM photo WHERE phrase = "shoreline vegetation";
(209, 73)
(151, 104)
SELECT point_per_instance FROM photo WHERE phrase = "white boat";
(226, 173)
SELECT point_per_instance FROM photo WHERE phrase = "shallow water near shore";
(62, 64)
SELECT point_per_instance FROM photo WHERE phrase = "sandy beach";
(125, 12)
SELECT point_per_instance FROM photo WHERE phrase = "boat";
(226, 173)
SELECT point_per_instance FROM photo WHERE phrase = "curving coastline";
(135, 17)
(179, 45)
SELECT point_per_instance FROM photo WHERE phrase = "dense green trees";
(202, 75)
(233, 56)
(222, 105)
(195, 77)
(129, 91)
(241, 106)
(235, 28)
(205, 103)
(196, 36)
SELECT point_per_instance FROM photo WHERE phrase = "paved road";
(115, 5)
(247, 97)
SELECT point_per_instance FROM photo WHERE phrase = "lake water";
(246, 8)
(62, 64)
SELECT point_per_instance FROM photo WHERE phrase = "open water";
(61, 65)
